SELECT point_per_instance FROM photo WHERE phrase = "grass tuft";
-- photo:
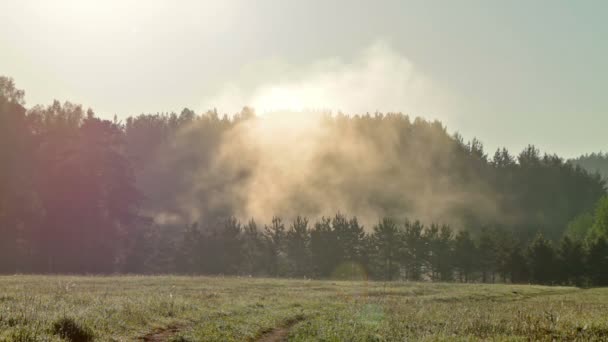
(67, 328)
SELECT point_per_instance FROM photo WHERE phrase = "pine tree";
(231, 251)
(517, 266)
(274, 236)
(298, 241)
(323, 244)
(253, 249)
(440, 252)
(487, 255)
(541, 258)
(464, 255)
(188, 251)
(571, 260)
(414, 250)
(386, 243)
(597, 261)
(349, 235)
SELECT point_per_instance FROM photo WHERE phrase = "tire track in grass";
(279, 334)
(163, 334)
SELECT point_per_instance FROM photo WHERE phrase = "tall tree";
(349, 235)
(253, 249)
(323, 242)
(440, 252)
(230, 240)
(518, 267)
(464, 255)
(571, 259)
(487, 255)
(275, 245)
(597, 261)
(386, 243)
(414, 250)
(298, 241)
(541, 257)
(18, 211)
(600, 219)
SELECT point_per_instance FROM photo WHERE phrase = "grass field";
(167, 308)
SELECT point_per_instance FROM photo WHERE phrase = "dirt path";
(162, 335)
(280, 334)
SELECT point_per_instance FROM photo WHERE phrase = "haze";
(510, 73)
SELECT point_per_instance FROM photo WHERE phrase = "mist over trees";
(210, 194)
(594, 163)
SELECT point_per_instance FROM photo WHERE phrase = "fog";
(378, 78)
(317, 164)
(300, 155)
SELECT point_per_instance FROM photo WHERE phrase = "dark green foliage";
(414, 250)
(487, 250)
(323, 242)
(542, 259)
(571, 261)
(79, 194)
(353, 243)
(298, 242)
(189, 253)
(274, 237)
(517, 267)
(160, 249)
(594, 163)
(597, 261)
(72, 331)
(441, 252)
(386, 244)
(339, 248)
(527, 191)
(254, 260)
(464, 255)
(229, 241)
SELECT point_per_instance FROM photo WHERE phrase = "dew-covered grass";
(127, 308)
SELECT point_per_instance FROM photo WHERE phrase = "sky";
(510, 73)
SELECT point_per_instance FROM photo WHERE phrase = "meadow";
(172, 308)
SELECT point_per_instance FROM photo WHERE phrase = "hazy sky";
(508, 72)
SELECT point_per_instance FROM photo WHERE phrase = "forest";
(593, 162)
(378, 196)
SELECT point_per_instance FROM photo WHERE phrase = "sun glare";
(294, 98)
(279, 99)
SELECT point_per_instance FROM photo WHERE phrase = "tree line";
(340, 248)
(594, 162)
(80, 194)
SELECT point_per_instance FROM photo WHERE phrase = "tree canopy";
(594, 163)
(168, 192)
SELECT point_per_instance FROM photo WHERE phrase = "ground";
(169, 308)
